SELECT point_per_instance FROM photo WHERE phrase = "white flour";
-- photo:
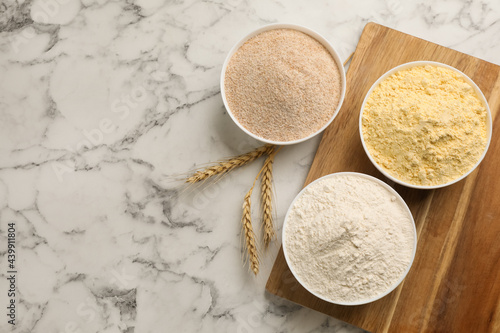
(348, 238)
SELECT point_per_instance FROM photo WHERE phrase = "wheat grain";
(225, 166)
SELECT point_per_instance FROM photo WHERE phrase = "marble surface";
(105, 105)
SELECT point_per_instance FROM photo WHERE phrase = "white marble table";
(105, 105)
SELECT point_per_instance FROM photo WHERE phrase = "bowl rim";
(393, 192)
(312, 34)
(411, 64)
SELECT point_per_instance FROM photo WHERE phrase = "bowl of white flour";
(349, 238)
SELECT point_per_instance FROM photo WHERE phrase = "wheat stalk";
(253, 254)
(227, 165)
(266, 200)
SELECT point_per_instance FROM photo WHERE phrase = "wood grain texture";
(454, 283)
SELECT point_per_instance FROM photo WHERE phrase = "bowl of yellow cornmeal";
(425, 125)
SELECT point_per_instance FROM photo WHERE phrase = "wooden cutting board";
(454, 283)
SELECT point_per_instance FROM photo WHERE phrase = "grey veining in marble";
(105, 105)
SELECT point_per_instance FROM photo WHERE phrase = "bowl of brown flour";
(283, 84)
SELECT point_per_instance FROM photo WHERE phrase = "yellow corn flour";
(425, 125)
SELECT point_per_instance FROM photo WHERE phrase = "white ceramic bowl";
(423, 63)
(398, 198)
(305, 30)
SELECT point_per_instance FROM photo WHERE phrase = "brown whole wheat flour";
(282, 85)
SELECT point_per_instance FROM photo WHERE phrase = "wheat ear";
(266, 200)
(253, 256)
(229, 164)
